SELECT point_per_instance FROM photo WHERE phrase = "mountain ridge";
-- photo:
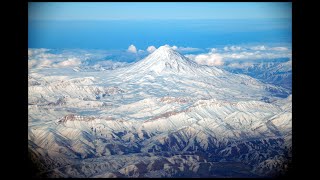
(153, 119)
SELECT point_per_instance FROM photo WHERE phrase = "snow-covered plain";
(164, 116)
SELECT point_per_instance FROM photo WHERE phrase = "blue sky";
(117, 25)
(188, 10)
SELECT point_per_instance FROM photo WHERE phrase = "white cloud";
(150, 49)
(132, 49)
(279, 49)
(258, 48)
(210, 59)
(189, 49)
(213, 58)
(174, 47)
(265, 48)
(240, 55)
(41, 58)
(47, 63)
(140, 51)
(183, 49)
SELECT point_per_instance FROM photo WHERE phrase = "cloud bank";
(217, 57)
(209, 59)
(48, 58)
(232, 48)
(183, 49)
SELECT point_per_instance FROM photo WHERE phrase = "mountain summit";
(168, 55)
(165, 60)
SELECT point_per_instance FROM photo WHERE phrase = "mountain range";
(163, 116)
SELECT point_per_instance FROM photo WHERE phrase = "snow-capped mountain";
(276, 73)
(165, 60)
(164, 116)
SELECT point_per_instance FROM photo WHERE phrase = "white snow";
(160, 100)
